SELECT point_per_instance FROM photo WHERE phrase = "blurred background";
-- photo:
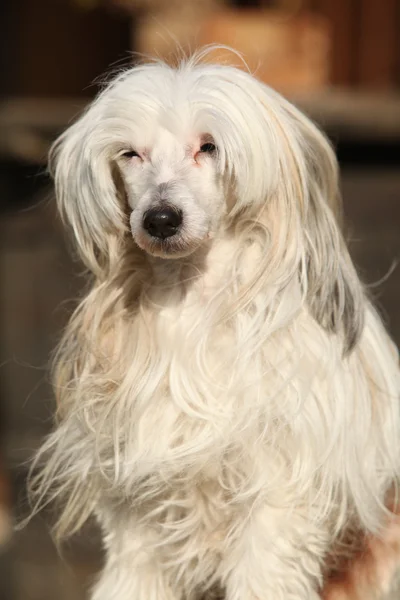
(338, 60)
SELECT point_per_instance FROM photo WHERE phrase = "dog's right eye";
(130, 154)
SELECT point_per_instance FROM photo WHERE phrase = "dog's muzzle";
(162, 222)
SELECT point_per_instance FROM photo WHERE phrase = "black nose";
(162, 222)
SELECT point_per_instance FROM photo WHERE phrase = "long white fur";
(228, 405)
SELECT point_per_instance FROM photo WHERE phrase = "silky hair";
(273, 378)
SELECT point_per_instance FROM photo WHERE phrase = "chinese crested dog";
(228, 398)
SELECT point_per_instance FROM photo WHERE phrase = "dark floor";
(37, 278)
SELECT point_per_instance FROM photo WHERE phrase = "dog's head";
(180, 149)
(177, 155)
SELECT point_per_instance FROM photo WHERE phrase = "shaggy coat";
(228, 398)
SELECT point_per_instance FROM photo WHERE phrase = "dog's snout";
(162, 222)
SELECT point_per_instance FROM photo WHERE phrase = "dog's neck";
(172, 272)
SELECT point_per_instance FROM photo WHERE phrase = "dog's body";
(228, 398)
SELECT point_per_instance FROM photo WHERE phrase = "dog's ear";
(334, 293)
(86, 192)
(290, 181)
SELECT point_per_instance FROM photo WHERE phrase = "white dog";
(228, 397)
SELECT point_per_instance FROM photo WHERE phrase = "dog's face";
(175, 190)
(181, 148)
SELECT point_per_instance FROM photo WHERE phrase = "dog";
(228, 397)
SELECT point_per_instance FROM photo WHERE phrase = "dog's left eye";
(208, 148)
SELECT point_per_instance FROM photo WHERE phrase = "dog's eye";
(130, 154)
(208, 148)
